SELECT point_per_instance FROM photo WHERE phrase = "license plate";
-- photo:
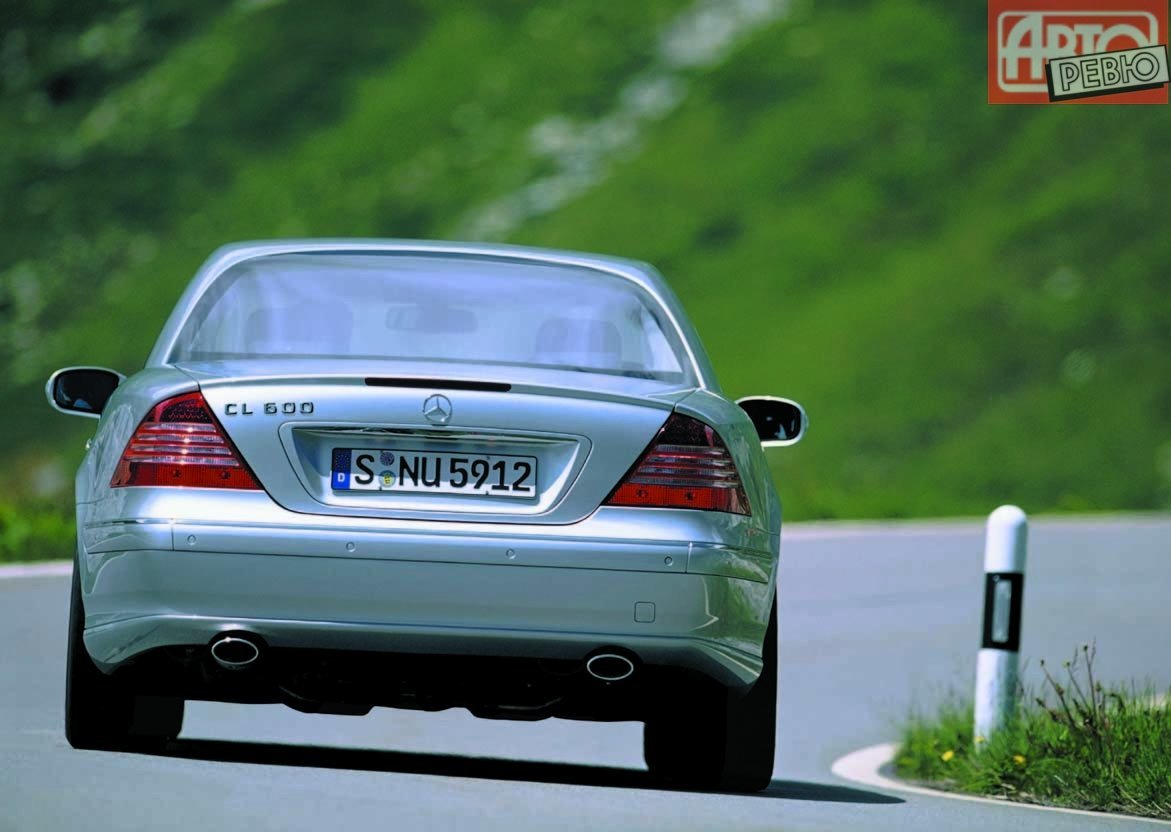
(441, 473)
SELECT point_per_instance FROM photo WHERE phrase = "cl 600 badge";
(288, 408)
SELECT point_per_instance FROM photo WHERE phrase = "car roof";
(236, 252)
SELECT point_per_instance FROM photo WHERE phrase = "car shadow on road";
(485, 768)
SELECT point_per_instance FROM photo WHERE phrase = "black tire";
(713, 737)
(100, 713)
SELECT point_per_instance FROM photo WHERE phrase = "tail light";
(686, 466)
(180, 443)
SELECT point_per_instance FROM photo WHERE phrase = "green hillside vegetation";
(971, 301)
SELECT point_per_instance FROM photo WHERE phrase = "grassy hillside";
(971, 301)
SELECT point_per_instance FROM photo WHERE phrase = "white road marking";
(807, 530)
(50, 569)
(827, 529)
(864, 767)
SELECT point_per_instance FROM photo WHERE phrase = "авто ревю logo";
(1023, 35)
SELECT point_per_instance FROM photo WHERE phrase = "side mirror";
(82, 391)
(778, 422)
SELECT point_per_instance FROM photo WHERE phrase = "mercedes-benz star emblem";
(437, 409)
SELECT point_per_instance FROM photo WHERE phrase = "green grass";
(36, 531)
(1078, 745)
(972, 302)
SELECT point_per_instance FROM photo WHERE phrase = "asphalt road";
(873, 620)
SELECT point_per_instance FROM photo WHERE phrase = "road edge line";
(864, 767)
(49, 569)
(832, 529)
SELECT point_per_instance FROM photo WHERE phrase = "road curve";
(874, 618)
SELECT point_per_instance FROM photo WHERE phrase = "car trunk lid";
(479, 444)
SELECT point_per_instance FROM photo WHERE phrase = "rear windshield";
(435, 308)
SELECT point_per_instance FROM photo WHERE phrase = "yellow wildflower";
(979, 739)
(947, 755)
(1019, 759)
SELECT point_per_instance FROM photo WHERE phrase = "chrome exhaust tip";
(609, 667)
(234, 652)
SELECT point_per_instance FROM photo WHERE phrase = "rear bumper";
(301, 591)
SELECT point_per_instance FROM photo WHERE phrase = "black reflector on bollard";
(1003, 593)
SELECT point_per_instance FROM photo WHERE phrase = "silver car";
(360, 473)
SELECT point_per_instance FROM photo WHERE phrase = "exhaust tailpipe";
(609, 667)
(234, 652)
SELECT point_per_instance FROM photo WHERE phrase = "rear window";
(440, 308)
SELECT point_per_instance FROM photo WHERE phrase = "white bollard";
(1004, 584)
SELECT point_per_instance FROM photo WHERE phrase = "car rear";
(188, 544)
(412, 520)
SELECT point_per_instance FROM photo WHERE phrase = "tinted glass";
(84, 390)
(439, 308)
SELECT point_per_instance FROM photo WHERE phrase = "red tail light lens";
(180, 443)
(686, 466)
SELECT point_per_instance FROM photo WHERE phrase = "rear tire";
(100, 713)
(713, 737)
